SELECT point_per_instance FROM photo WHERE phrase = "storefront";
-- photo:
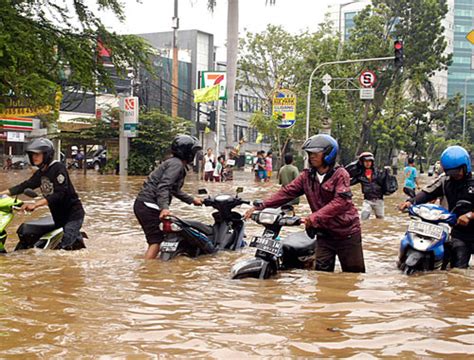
(14, 134)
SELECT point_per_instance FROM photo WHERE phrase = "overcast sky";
(155, 16)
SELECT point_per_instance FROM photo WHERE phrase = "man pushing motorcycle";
(153, 200)
(58, 193)
(455, 184)
(334, 217)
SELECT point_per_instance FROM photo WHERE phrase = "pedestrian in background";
(209, 161)
(219, 169)
(269, 165)
(261, 166)
(287, 174)
(411, 179)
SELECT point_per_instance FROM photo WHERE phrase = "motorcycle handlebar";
(290, 221)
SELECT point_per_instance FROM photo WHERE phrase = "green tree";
(40, 41)
(418, 24)
(156, 130)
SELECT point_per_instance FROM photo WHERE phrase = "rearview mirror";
(202, 191)
(257, 203)
(239, 190)
(30, 193)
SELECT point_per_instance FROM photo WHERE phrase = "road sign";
(367, 79)
(129, 112)
(326, 89)
(327, 79)
(211, 78)
(284, 105)
(470, 37)
(367, 93)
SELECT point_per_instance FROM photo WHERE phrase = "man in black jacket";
(153, 200)
(454, 185)
(58, 193)
(371, 181)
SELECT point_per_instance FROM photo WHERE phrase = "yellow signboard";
(17, 107)
(25, 111)
(284, 106)
(470, 37)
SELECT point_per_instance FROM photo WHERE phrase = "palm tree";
(232, 55)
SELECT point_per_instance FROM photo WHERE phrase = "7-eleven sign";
(211, 78)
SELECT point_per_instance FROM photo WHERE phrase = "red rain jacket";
(331, 202)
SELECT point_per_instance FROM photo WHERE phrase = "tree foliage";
(41, 41)
(405, 114)
(156, 131)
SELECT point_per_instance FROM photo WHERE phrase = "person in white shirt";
(209, 161)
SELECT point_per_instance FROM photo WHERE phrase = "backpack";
(390, 183)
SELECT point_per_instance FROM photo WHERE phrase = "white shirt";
(320, 177)
(208, 163)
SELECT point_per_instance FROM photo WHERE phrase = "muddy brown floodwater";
(106, 301)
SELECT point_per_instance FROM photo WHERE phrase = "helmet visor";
(455, 172)
(315, 149)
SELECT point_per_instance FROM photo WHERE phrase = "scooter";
(193, 238)
(296, 251)
(41, 233)
(424, 245)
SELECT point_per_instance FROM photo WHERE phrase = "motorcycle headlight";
(267, 218)
(430, 214)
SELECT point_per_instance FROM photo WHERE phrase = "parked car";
(97, 159)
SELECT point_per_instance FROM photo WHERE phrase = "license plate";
(169, 246)
(266, 244)
(425, 229)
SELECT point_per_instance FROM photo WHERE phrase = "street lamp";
(465, 106)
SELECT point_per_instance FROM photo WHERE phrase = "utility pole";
(175, 78)
(465, 108)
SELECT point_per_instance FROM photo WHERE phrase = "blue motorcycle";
(424, 246)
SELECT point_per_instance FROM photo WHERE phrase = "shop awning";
(16, 123)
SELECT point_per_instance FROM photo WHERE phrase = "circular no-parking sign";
(367, 78)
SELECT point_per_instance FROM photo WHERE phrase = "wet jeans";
(348, 250)
(72, 238)
(376, 205)
(461, 253)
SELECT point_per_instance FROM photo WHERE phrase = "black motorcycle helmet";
(325, 144)
(41, 145)
(185, 147)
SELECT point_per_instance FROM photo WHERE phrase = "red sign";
(367, 79)
(129, 104)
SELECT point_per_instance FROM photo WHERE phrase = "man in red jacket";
(334, 216)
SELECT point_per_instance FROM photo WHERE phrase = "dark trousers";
(348, 250)
(461, 253)
(409, 191)
(72, 238)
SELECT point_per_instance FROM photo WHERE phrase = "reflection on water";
(106, 300)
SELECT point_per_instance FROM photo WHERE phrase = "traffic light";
(212, 120)
(398, 50)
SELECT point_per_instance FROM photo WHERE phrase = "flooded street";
(107, 301)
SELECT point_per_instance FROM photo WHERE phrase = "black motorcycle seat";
(298, 242)
(206, 229)
(38, 227)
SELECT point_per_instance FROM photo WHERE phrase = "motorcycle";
(296, 251)
(424, 245)
(41, 233)
(193, 238)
